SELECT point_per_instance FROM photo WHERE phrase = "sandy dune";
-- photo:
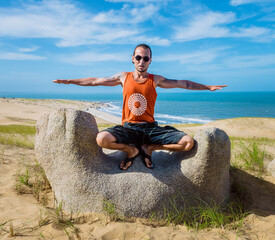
(24, 212)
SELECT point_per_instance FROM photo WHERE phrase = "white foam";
(114, 109)
(179, 119)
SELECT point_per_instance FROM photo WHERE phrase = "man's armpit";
(117, 78)
(114, 77)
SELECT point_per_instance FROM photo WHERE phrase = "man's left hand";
(216, 87)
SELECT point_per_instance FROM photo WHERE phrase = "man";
(139, 132)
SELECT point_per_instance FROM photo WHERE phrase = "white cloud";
(259, 34)
(127, 14)
(72, 25)
(217, 25)
(31, 49)
(150, 40)
(250, 61)
(206, 25)
(215, 59)
(89, 57)
(135, 1)
(198, 57)
(241, 2)
(19, 56)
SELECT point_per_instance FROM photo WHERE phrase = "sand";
(244, 127)
(28, 111)
(25, 212)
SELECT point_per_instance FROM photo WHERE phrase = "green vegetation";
(198, 214)
(24, 178)
(102, 126)
(251, 154)
(34, 181)
(17, 135)
(253, 157)
(181, 126)
(61, 220)
(18, 129)
(195, 213)
(110, 210)
(4, 229)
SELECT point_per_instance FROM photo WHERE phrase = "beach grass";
(3, 228)
(183, 125)
(32, 180)
(17, 135)
(60, 220)
(199, 214)
(17, 140)
(25, 178)
(102, 126)
(9, 230)
(111, 211)
(17, 129)
(253, 157)
(251, 154)
(195, 214)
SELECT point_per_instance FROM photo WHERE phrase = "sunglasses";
(145, 59)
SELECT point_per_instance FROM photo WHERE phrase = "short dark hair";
(145, 46)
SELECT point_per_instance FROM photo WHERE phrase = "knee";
(103, 139)
(187, 143)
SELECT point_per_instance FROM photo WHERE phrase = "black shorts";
(145, 133)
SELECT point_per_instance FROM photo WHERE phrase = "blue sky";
(211, 42)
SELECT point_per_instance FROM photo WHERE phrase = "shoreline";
(180, 107)
(27, 111)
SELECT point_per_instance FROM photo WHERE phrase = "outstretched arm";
(186, 84)
(92, 81)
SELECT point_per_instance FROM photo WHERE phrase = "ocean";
(181, 107)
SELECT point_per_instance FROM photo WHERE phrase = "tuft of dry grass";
(111, 211)
(34, 181)
(60, 220)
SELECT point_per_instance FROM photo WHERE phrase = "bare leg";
(186, 143)
(107, 140)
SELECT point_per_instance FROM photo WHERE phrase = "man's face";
(139, 59)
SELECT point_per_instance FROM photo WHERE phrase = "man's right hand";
(64, 81)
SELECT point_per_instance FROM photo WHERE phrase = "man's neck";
(140, 75)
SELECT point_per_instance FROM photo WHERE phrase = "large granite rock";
(82, 176)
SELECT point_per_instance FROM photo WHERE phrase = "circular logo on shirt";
(137, 104)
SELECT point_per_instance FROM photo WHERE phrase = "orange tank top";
(138, 100)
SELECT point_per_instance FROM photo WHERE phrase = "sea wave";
(112, 108)
(115, 109)
(166, 118)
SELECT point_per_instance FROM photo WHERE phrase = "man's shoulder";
(122, 73)
(158, 79)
